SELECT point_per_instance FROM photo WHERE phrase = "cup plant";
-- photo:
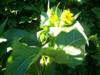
(61, 31)
(62, 41)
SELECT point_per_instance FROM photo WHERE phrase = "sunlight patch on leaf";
(72, 50)
(79, 58)
(3, 40)
(9, 49)
(54, 31)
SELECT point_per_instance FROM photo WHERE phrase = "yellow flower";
(67, 17)
(53, 18)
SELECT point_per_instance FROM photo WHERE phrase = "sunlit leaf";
(61, 57)
(72, 43)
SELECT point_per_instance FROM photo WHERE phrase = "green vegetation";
(49, 37)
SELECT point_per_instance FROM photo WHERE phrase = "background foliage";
(20, 20)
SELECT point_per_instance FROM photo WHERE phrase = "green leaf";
(15, 33)
(70, 48)
(2, 26)
(54, 31)
(25, 36)
(79, 27)
(61, 57)
(35, 69)
(22, 57)
(73, 38)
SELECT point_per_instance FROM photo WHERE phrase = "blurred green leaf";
(73, 45)
(73, 38)
(22, 57)
(70, 48)
(15, 33)
(61, 57)
(24, 36)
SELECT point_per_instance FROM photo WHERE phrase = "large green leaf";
(61, 57)
(73, 38)
(15, 33)
(35, 69)
(54, 31)
(70, 48)
(22, 57)
(26, 37)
